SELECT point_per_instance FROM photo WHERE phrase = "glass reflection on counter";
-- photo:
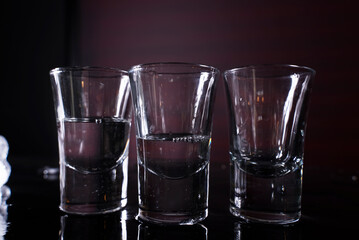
(5, 171)
(108, 226)
(4, 195)
(245, 231)
(156, 232)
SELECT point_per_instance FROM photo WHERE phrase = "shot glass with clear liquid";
(173, 111)
(93, 114)
(268, 108)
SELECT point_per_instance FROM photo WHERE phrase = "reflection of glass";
(49, 173)
(252, 231)
(5, 170)
(108, 226)
(156, 232)
(4, 195)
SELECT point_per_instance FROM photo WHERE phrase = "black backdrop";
(33, 41)
(38, 36)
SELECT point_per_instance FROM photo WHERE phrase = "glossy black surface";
(330, 210)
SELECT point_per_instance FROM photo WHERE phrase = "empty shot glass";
(93, 114)
(268, 108)
(173, 112)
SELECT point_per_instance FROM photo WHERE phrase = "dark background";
(40, 35)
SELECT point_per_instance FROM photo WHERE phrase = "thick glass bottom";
(93, 209)
(171, 218)
(281, 218)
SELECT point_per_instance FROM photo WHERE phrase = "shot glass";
(268, 107)
(93, 114)
(173, 111)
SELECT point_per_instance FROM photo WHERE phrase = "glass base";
(171, 218)
(93, 209)
(279, 218)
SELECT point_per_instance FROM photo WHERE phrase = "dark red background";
(225, 34)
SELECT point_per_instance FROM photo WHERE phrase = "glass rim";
(87, 68)
(301, 69)
(203, 67)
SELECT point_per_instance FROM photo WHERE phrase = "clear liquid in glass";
(93, 164)
(173, 178)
